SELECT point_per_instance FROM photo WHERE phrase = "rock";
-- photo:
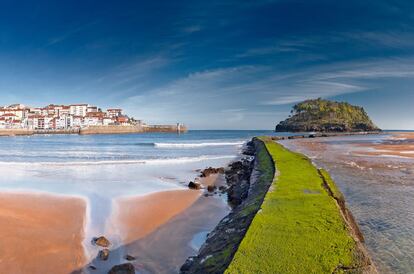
(101, 241)
(127, 268)
(194, 185)
(104, 254)
(211, 188)
(211, 170)
(327, 116)
(129, 258)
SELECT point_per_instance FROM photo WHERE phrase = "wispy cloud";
(239, 89)
(191, 29)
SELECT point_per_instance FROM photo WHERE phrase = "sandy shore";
(41, 233)
(139, 216)
(400, 144)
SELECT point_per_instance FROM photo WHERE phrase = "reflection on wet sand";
(378, 188)
(399, 144)
(159, 231)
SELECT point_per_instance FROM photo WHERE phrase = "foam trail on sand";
(179, 160)
(196, 145)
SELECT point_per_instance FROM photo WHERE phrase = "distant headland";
(18, 119)
(321, 115)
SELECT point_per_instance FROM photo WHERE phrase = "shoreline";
(135, 219)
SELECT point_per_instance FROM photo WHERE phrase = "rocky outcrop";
(238, 181)
(211, 170)
(327, 116)
(127, 268)
(194, 185)
(247, 186)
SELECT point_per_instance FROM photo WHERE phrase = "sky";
(217, 64)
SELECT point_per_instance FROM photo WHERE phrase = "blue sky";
(210, 64)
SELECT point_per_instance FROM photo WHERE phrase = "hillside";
(327, 116)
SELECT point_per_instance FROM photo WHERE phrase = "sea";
(101, 168)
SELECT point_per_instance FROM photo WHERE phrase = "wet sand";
(138, 216)
(399, 144)
(165, 250)
(163, 229)
(41, 233)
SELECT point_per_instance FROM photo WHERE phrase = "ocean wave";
(196, 145)
(160, 161)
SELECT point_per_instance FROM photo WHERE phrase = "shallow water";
(379, 190)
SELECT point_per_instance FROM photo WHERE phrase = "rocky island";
(321, 115)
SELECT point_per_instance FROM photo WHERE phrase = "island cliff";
(326, 116)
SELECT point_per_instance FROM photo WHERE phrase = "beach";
(131, 189)
(41, 233)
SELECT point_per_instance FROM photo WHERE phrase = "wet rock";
(194, 185)
(104, 254)
(248, 149)
(129, 258)
(101, 241)
(127, 268)
(238, 180)
(211, 170)
(211, 188)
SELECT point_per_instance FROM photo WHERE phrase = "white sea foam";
(160, 161)
(197, 145)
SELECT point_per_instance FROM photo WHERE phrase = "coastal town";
(18, 119)
(19, 116)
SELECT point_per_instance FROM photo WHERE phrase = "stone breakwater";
(247, 186)
(112, 129)
(248, 182)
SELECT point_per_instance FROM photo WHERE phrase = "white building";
(114, 112)
(91, 109)
(77, 121)
(78, 109)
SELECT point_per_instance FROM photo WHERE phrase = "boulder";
(104, 254)
(194, 185)
(101, 241)
(127, 268)
(211, 188)
(211, 170)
